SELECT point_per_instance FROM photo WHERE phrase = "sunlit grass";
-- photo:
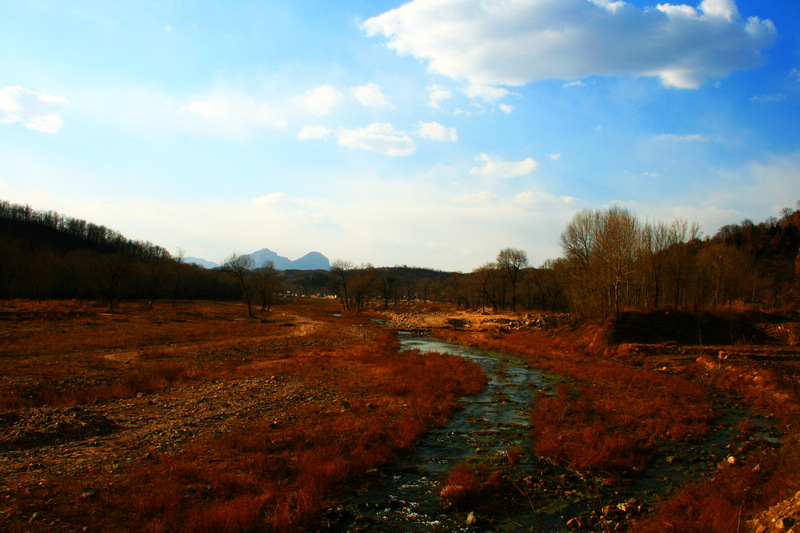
(269, 476)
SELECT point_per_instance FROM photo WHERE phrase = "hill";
(310, 261)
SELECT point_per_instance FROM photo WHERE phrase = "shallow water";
(405, 497)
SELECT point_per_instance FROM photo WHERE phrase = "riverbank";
(755, 479)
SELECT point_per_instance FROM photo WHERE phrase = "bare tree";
(656, 242)
(240, 267)
(601, 251)
(342, 271)
(177, 274)
(483, 278)
(681, 249)
(111, 269)
(362, 284)
(579, 244)
(619, 240)
(388, 281)
(512, 261)
(268, 285)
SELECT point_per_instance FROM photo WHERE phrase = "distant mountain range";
(310, 261)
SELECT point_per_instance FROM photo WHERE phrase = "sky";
(429, 133)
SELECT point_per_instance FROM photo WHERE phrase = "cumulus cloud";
(378, 137)
(554, 157)
(505, 108)
(314, 132)
(514, 43)
(498, 168)
(322, 100)
(36, 111)
(486, 92)
(370, 95)
(438, 93)
(437, 132)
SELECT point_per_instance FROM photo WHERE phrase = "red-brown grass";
(471, 485)
(301, 464)
(267, 476)
(611, 417)
(726, 500)
(617, 411)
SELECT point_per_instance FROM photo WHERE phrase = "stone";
(471, 519)
(784, 523)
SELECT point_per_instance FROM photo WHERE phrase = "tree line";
(612, 260)
(44, 255)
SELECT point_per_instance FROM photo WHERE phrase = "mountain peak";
(310, 261)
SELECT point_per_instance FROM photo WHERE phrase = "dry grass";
(270, 476)
(617, 410)
(610, 418)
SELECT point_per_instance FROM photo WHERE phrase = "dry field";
(196, 418)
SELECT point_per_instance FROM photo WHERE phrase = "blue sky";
(427, 133)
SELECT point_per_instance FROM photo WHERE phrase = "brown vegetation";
(326, 398)
(632, 387)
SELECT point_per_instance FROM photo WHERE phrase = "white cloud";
(437, 132)
(236, 112)
(314, 132)
(505, 108)
(540, 200)
(370, 95)
(554, 157)
(768, 98)
(378, 137)
(514, 43)
(322, 100)
(437, 94)
(272, 198)
(755, 190)
(692, 137)
(725, 9)
(486, 92)
(504, 169)
(476, 198)
(36, 111)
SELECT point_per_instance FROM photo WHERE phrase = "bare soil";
(37, 444)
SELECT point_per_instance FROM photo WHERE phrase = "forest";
(612, 260)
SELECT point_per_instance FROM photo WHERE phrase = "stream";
(405, 496)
